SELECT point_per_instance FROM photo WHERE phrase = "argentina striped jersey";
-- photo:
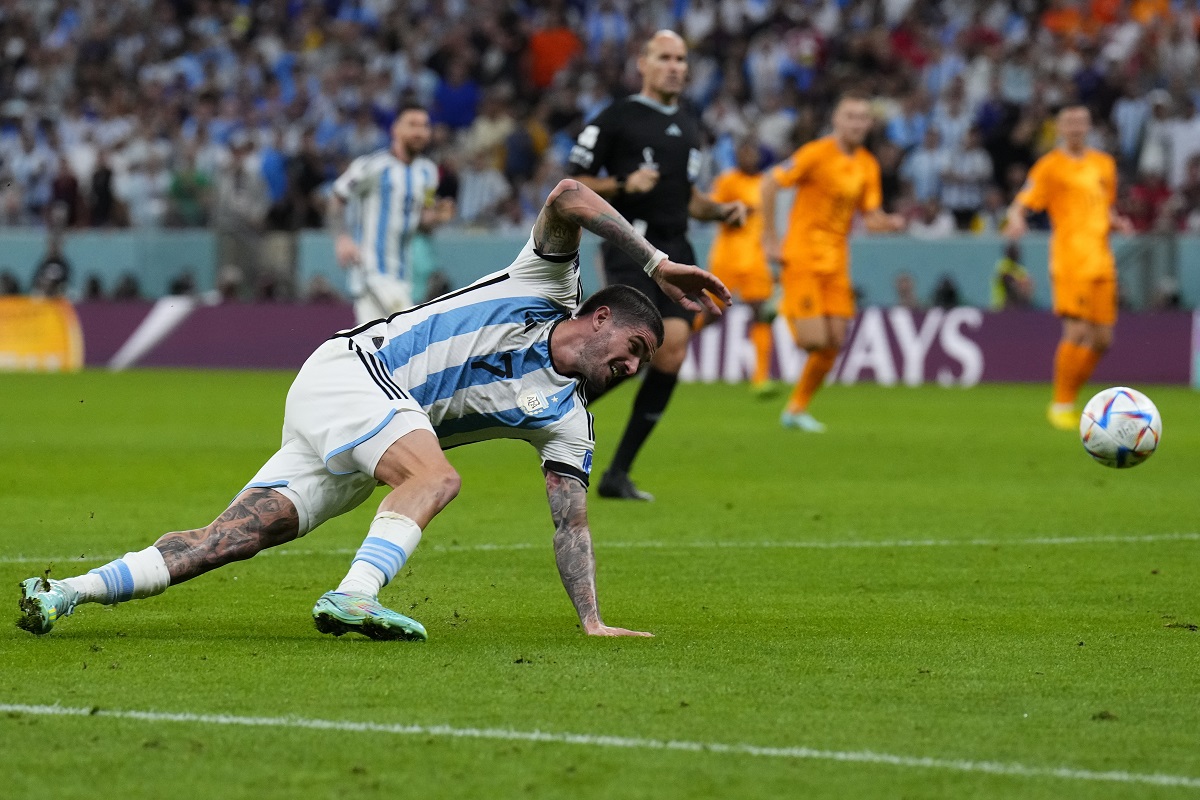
(386, 197)
(479, 362)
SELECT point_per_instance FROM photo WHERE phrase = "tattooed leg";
(257, 519)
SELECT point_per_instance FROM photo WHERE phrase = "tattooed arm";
(572, 207)
(255, 520)
(573, 553)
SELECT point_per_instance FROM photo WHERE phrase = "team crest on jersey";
(533, 403)
(673, 130)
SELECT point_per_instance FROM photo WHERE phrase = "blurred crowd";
(240, 114)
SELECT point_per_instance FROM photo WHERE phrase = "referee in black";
(649, 150)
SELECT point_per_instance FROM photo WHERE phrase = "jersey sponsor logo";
(589, 135)
(533, 403)
(582, 156)
(673, 130)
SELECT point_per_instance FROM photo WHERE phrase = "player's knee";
(445, 484)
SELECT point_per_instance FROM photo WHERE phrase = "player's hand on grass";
(690, 287)
(345, 250)
(600, 629)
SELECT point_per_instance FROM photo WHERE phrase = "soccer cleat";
(802, 421)
(44, 602)
(343, 612)
(764, 390)
(1063, 419)
(617, 485)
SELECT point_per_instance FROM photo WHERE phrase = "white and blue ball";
(1120, 427)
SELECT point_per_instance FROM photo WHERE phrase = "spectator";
(53, 271)
(965, 179)
(93, 289)
(991, 217)
(907, 129)
(9, 285)
(65, 193)
(906, 292)
(240, 209)
(127, 288)
(932, 222)
(1147, 201)
(923, 169)
(1012, 286)
(481, 191)
(490, 127)
(457, 97)
(552, 47)
(104, 208)
(190, 193)
(946, 294)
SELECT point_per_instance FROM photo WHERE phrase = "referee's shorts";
(620, 268)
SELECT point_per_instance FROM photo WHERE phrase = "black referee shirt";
(636, 132)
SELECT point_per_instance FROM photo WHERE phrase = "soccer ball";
(1120, 427)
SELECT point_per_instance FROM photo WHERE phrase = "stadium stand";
(122, 124)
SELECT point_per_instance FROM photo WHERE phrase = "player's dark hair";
(630, 308)
(854, 94)
(407, 106)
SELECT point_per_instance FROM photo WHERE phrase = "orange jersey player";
(835, 178)
(737, 256)
(1077, 187)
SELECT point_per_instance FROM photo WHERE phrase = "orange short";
(817, 294)
(749, 284)
(1089, 299)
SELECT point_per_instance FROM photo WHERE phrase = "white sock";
(389, 544)
(133, 576)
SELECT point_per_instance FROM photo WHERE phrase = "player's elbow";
(564, 188)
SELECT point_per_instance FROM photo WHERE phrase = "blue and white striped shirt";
(387, 197)
(478, 360)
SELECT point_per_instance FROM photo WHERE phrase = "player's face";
(664, 67)
(412, 132)
(1074, 124)
(614, 352)
(852, 121)
(748, 157)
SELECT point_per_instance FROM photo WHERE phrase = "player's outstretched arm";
(344, 247)
(572, 207)
(573, 553)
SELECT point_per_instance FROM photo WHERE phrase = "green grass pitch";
(941, 576)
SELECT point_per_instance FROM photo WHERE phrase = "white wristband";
(652, 265)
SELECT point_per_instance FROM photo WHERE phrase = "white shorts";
(378, 296)
(342, 414)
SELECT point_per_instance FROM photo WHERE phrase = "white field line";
(848, 544)
(631, 743)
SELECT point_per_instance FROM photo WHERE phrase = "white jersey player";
(392, 196)
(507, 357)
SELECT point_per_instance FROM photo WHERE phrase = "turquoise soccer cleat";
(342, 612)
(802, 421)
(44, 602)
